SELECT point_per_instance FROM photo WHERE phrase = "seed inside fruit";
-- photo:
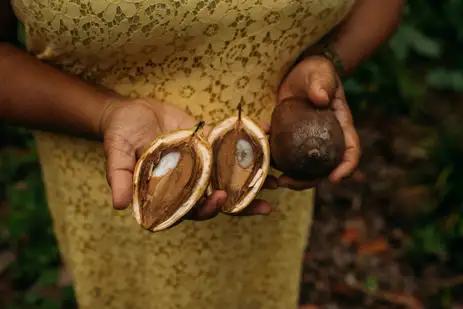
(244, 153)
(168, 175)
(168, 162)
(237, 159)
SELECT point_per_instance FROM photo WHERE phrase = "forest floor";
(359, 249)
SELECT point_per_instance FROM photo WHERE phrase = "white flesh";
(167, 163)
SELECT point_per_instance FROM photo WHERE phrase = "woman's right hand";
(127, 127)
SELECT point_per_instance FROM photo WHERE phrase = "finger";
(206, 130)
(271, 183)
(119, 171)
(265, 126)
(257, 207)
(209, 208)
(285, 181)
(352, 153)
(322, 85)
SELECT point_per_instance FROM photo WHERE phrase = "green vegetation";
(420, 74)
(26, 229)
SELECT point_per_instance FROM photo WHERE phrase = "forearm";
(34, 94)
(370, 23)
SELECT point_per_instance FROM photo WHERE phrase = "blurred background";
(388, 237)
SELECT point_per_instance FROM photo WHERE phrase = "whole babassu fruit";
(306, 141)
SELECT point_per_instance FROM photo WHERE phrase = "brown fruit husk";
(170, 178)
(306, 142)
(241, 156)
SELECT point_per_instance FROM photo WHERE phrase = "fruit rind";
(253, 129)
(306, 142)
(204, 151)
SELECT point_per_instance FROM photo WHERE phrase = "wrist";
(326, 51)
(108, 104)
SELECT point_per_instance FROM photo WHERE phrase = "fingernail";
(266, 211)
(221, 201)
(324, 94)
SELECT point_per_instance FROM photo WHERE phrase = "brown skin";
(34, 94)
(306, 142)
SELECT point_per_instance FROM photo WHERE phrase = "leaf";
(353, 86)
(399, 45)
(376, 246)
(48, 277)
(444, 79)
(442, 184)
(350, 236)
(431, 240)
(410, 87)
(31, 297)
(371, 284)
(409, 38)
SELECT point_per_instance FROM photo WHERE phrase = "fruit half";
(170, 178)
(241, 158)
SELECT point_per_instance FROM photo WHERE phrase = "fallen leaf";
(350, 236)
(344, 289)
(376, 246)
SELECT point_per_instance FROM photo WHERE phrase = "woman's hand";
(315, 78)
(127, 127)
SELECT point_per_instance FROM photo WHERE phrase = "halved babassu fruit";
(170, 178)
(241, 159)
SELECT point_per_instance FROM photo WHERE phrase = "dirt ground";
(359, 246)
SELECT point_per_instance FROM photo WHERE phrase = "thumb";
(206, 130)
(321, 87)
(119, 173)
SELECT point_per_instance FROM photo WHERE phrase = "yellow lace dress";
(202, 55)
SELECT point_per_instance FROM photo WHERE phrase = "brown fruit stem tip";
(240, 110)
(199, 126)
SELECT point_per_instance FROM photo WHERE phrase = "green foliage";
(420, 64)
(423, 56)
(26, 230)
(439, 234)
(371, 284)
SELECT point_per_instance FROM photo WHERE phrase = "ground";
(362, 240)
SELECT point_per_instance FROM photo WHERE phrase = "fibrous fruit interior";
(167, 179)
(237, 164)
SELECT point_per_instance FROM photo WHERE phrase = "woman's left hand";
(315, 78)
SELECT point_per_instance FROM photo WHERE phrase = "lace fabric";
(203, 56)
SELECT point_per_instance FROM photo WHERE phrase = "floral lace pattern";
(203, 56)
